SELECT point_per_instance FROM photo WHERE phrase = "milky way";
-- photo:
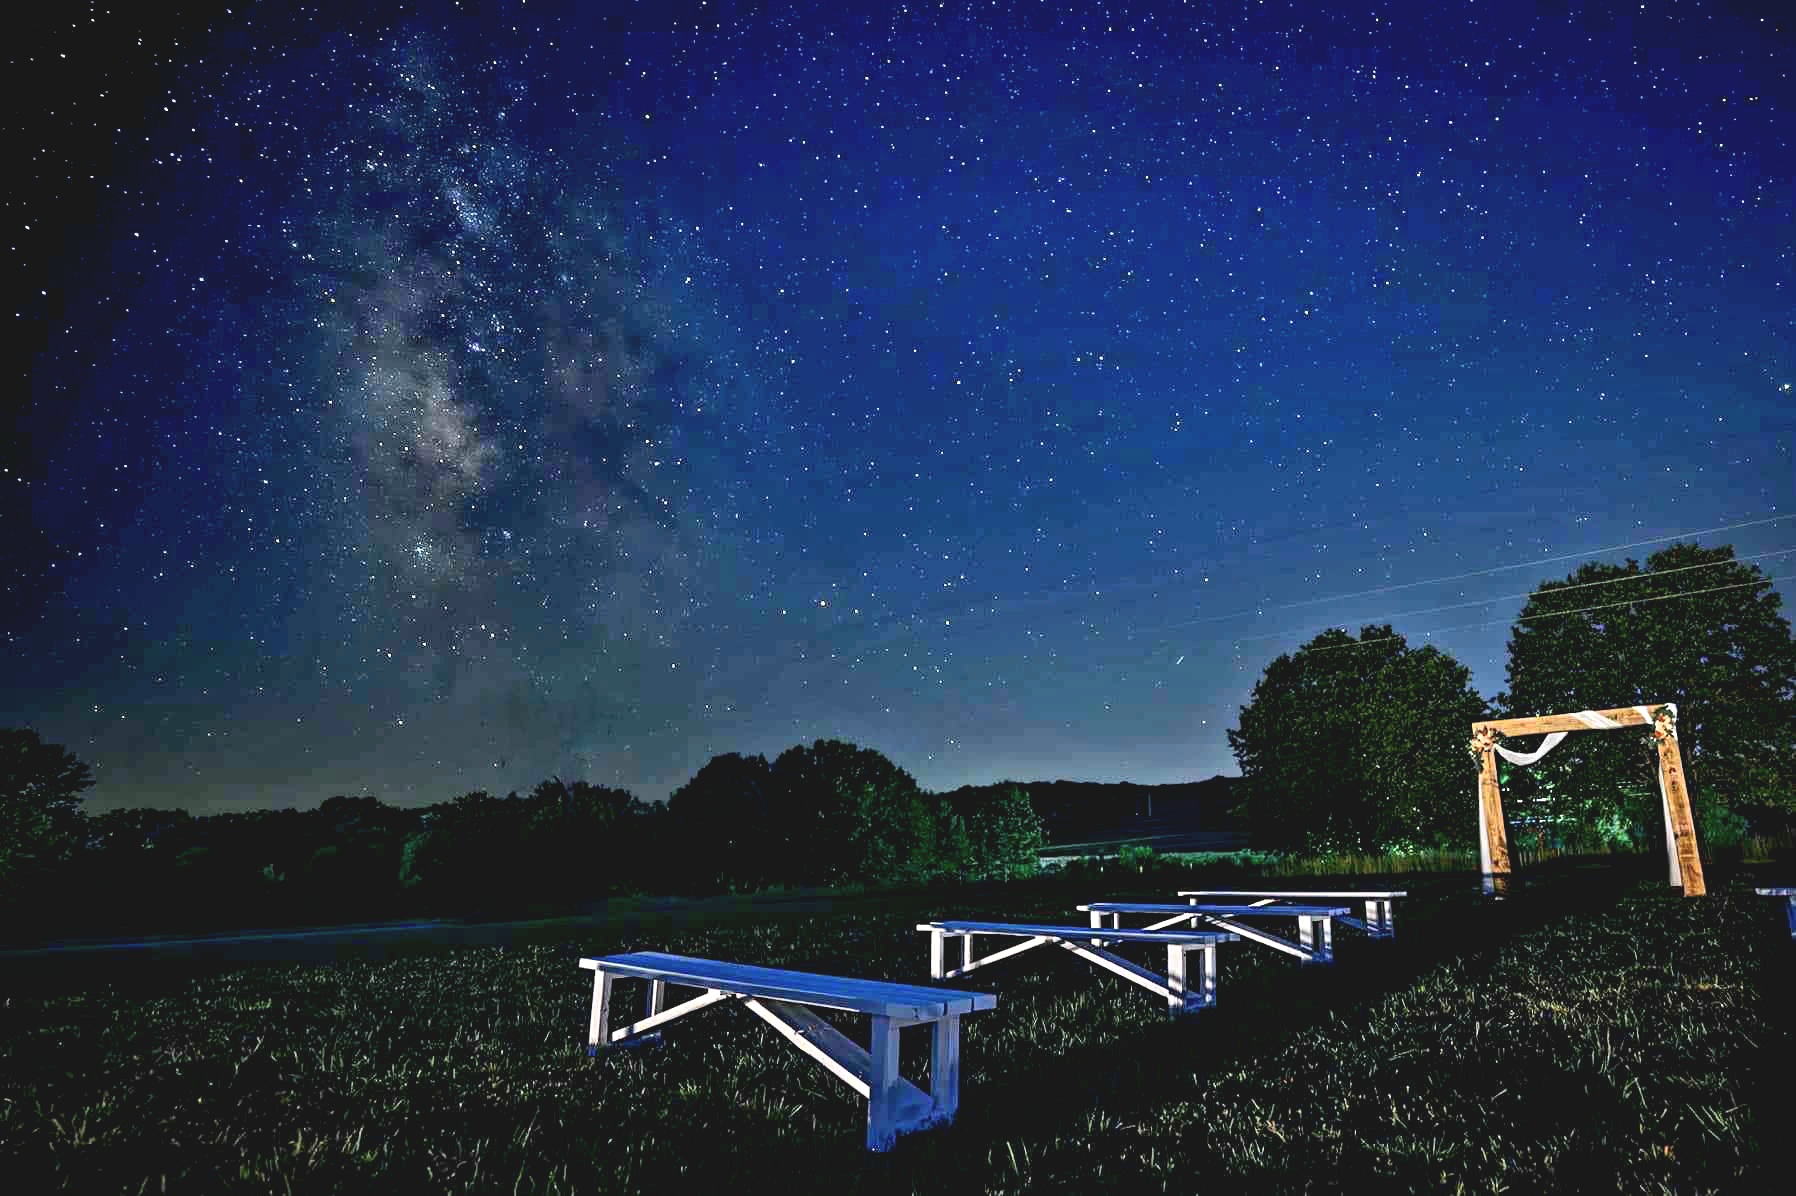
(440, 402)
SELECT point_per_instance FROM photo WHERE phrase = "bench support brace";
(894, 1104)
(1182, 995)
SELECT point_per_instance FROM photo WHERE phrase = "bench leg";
(657, 997)
(944, 1066)
(1790, 914)
(938, 967)
(601, 999)
(882, 1085)
(1318, 937)
(1188, 991)
(1098, 917)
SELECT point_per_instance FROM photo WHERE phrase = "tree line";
(1348, 744)
(827, 814)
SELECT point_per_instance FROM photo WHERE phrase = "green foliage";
(1725, 658)
(1135, 857)
(1006, 836)
(1359, 745)
(40, 805)
(851, 816)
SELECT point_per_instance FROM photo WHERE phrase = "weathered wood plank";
(1546, 724)
(1682, 847)
(1493, 831)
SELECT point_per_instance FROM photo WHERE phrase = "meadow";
(1592, 1033)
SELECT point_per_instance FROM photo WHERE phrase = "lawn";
(1581, 1037)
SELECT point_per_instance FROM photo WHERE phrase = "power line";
(1429, 581)
(1556, 614)
(1582, 585)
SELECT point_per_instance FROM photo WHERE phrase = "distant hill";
(1080, 811)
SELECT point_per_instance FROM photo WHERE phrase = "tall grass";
(1555, 1042)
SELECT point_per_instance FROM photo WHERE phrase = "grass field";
(1588, 1035)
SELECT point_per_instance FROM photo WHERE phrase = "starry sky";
(413, 399)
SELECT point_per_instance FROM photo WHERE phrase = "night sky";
(410, 402)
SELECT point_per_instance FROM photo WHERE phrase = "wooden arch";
(1680, 829)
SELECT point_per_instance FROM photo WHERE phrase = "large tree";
(850, 815)
(1694, 627)
(40, 803)
(728, 837)
(1359, 745)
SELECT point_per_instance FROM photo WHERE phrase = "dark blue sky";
(421, 402)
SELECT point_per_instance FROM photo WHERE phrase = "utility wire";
(1556, 614)
(1429, 581)
(1431, 610)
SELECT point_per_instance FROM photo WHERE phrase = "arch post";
(1493, 835)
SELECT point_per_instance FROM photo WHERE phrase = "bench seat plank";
(1315, 943)
(911, 1002)
(1085, 933)
(1377, 923)
(1349, 894)
(1183, 991)
(1232, 911)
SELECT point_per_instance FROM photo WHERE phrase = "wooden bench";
(781, 999)
(1183, 992)
(1315, 923)
(1377, 922)
(1789, 896)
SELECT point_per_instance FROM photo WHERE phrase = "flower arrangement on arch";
(1483, 740)
(1665, 725)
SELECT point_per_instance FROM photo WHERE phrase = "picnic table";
(1315, 923)
(1376, 923)
(1183, 992)
(784, 1000)
(1789, 896)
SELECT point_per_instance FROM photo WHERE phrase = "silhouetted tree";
(41, 785)
(723, 815)
(1005, 837)
(850, 815)
(1694, 627)
(1359, 745)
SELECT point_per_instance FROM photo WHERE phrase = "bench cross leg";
(1173, 986)
(1304, 949)
(894, 1104)
(658, 1013)
(939, 970)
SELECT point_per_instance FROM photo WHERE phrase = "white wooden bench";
(1183, 992)
(1315, 923)
(1789, 896)
(780, 998)
(1377, 922)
